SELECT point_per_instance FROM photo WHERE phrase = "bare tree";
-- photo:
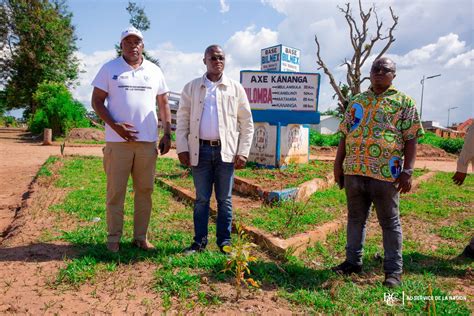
(362, 42)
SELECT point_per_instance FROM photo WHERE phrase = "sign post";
(280, 102)
(280, 58)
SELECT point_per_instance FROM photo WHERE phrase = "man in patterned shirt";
(368, 157)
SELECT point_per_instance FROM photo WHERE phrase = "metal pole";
(421, 104)
(422, 89)
(449, 111)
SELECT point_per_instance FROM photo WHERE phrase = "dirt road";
(20, 159)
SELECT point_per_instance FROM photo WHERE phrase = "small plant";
(430, 303)
(61, 147)
(238, 261)
(295, 210)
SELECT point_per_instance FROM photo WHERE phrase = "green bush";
(450, 145)
(318, 139)
(56, 109)
(10, 121)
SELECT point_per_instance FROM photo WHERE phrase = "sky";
(432, 37)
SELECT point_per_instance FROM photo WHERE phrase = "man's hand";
(404, 183)
(339, 176)
(184, 158)
(165, 144)
(459, 177)
(240, 162)
(126, 131)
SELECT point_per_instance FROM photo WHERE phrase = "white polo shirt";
(132, 96)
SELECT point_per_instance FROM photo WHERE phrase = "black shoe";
(392, 280)
(193, 249)
(468, 252)
(347, 268)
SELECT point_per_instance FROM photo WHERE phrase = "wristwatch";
(408, 171)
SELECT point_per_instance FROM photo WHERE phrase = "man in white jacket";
(213, 136)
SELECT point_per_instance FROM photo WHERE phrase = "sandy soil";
(23, 220)
(20, 159)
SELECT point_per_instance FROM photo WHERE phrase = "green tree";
(41, 44)
(56, 110)
(3, 103)
(141, 22)
(138, 17)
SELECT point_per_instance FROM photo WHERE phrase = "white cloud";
(224, 6)
(463, 60)
(431, 38)
(245, 46)
(443, 50)
(89, 66)
(449, 57)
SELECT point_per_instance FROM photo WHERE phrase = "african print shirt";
(376, 128)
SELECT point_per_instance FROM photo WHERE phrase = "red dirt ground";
(28, 267)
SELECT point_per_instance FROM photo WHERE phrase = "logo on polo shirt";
(114, 77)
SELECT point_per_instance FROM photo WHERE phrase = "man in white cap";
(132, 87)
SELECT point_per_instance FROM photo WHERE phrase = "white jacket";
(235, 119)
(467, 152)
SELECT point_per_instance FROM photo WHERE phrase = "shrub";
(450, 145)
(318, 139)
(56, 109)
(10, 121)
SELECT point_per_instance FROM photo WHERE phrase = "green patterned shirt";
(376, 129)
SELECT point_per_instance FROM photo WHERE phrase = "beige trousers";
(121, 160)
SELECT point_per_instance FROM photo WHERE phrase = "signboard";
(294, 144)
(271, 58)
(280, 58)
(263, 150)
(281, 90)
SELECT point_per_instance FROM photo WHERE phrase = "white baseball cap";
(131, 31)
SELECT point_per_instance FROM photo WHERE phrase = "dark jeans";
(211, 170)
(361, 192)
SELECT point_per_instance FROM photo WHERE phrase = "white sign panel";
(263, 150)
(290, 59)
(281, 91)
(280, 58)
(294, 144)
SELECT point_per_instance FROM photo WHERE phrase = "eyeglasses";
(216, 58)
(384, 70)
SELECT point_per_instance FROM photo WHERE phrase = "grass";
(439, 198)
(279, 218)
(79, 141)
(459, 230)
(289, 177)
(450, 145)
(45, 171)
(304, 284)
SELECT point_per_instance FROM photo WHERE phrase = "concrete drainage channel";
(252, 196)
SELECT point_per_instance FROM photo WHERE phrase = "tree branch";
(333, 83)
